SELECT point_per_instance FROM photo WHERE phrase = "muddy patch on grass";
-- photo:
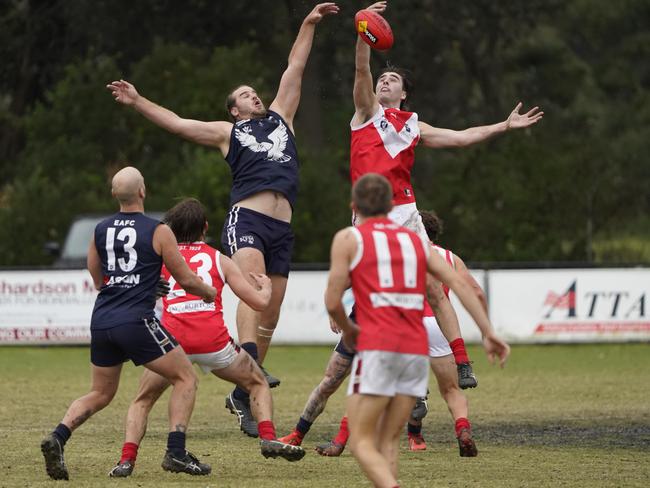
(560, 434)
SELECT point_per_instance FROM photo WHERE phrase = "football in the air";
(373, 29)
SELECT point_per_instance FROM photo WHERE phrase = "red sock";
(266, 430)
(458, 348)
(129, 451)
(462, 423)
(342, 437)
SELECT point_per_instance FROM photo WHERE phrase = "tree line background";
(576, 187)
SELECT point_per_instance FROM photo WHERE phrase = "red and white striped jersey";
(196, 325)
(448, 256)
(386, 145)
(388, 276)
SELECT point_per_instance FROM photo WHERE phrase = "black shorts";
(272, 237)
(141, 342)
(340, 347)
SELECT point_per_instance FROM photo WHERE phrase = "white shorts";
(210, 361)
(406, 215)
(438, 345)
(388, 374)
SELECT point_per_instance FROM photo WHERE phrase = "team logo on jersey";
(383, 124)
(274, 149)
(247, 239)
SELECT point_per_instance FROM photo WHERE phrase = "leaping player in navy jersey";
(260, 148)
(384, 136)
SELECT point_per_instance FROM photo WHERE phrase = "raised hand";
(320, 11)
(123, 92)
(519, 121)
(378, 7)
(496, 347)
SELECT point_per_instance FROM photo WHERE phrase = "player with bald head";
(260, 147)
(125, 258)
(128, 186)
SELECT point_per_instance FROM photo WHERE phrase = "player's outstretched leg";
(245, 372)
(338, 368)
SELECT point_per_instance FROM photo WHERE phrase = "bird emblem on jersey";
(274, 149)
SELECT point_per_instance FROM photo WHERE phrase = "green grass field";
(555, 416)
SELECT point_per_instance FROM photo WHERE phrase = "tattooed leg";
(338, 368)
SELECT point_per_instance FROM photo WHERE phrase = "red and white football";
(373, 29)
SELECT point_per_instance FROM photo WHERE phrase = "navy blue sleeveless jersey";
(131, 270)
(263, 156)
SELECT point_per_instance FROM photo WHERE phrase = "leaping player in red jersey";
(384, 136)
(200, 330)
(386, 265)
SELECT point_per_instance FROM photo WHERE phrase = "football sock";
(462, 423)
(239, 393)
(414, 429)
(266, 430)
(129, 452)
(303, 426)
(62, 433)
(250, 348)
(460, 353)
(176, 443)
(342, 437)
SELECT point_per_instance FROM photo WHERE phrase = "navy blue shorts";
(272, 237)
(141, 342)
(340, 347)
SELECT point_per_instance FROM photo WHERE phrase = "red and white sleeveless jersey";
(448, 256)
(198, 326)
(386, 145)
(388, 276)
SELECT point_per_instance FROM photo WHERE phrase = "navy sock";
(240, 394)
(303, 426)
(176, 443)
(414, 429)
(62, 433)
(250, 348)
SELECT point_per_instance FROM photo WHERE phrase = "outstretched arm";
(257, 297)
(436, 137)
(365, 102)
(288, 96)
(494, 347)
(215, 134)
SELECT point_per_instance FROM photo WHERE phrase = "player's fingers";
(532, 111)
(518, 107)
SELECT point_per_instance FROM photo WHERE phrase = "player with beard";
(260, 147)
